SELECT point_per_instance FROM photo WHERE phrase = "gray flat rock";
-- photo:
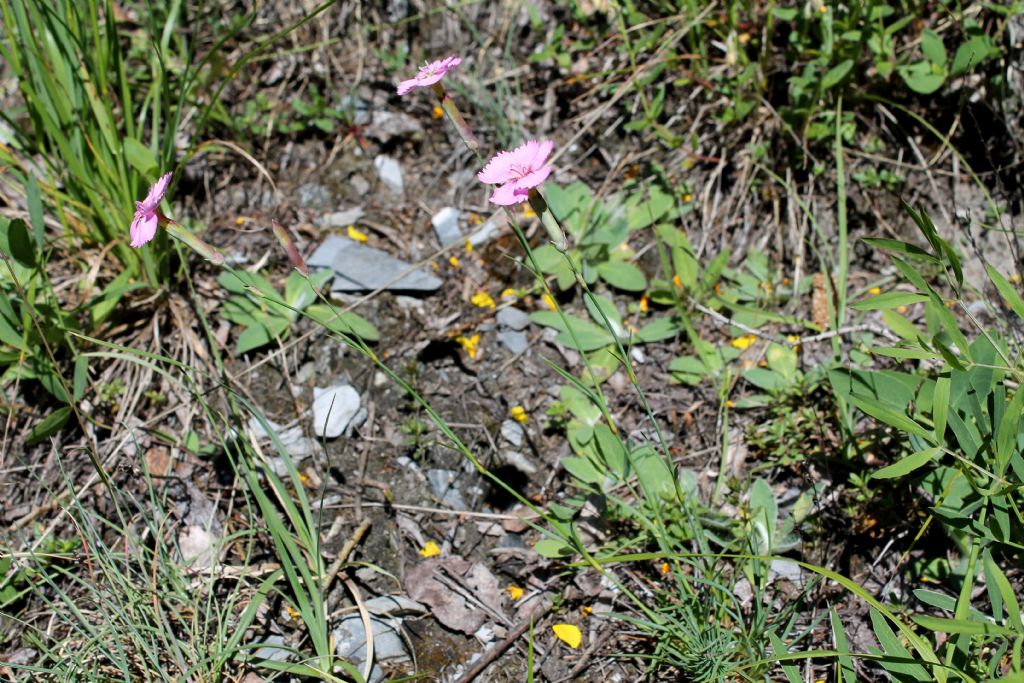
(513, 432)
(333, 409)
(513, 318)
(386, 125)
(361, 268)
(446, 226)
(516, 342)
(343, 218)
(442, 483)
(388, 647)
(390, 172)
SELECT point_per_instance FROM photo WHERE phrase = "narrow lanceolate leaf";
(889, 300)
(1006, 290)
(940, 406)
(1009, 429)
(971, 627)
(890, 417)
(907, 464)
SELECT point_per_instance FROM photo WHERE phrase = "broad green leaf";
(658, 330)
(836, 74)
(971, 53)
(260, 335)
(783, 360)
(552, 549)
(687, 369)
(889, 300)
(921, 77)
(582, 469)
(653, 473)
(19, 241)
(584, 335)
(762, 378)
(601, 308)
(346, 322)
(611, 450)
(49, 425)
(299, 293)
(908, 464)
(647, 208)
(932, 47)
(548, 258)
(623, 275)
(81, 377)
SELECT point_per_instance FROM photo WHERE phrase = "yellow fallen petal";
(549, 302)
(509, 293)
(743, 342)
(240, 220)
(568, 634)
(644, 304)
(514, 592)
(430, 549)
(454, 261)
(356, 235)
(875, 291)
(469, 247)
(519, 414)
(483, 300)
(469, 344)
(438, 112)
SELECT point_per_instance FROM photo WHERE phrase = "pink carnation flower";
(147, 213)
(430, 74)
(517, 171)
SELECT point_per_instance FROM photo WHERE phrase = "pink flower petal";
(143, 228)
(407, 86)
(508, 194)
(430, 74)
(533, 178)
(541, 152)
(156, 192)
(498, 169)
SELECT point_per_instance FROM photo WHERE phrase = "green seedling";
(267, 316)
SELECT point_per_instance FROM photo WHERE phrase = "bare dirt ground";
(386, 471)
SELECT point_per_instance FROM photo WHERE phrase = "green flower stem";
(547, 219)
(455, 116)
(209, 252)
